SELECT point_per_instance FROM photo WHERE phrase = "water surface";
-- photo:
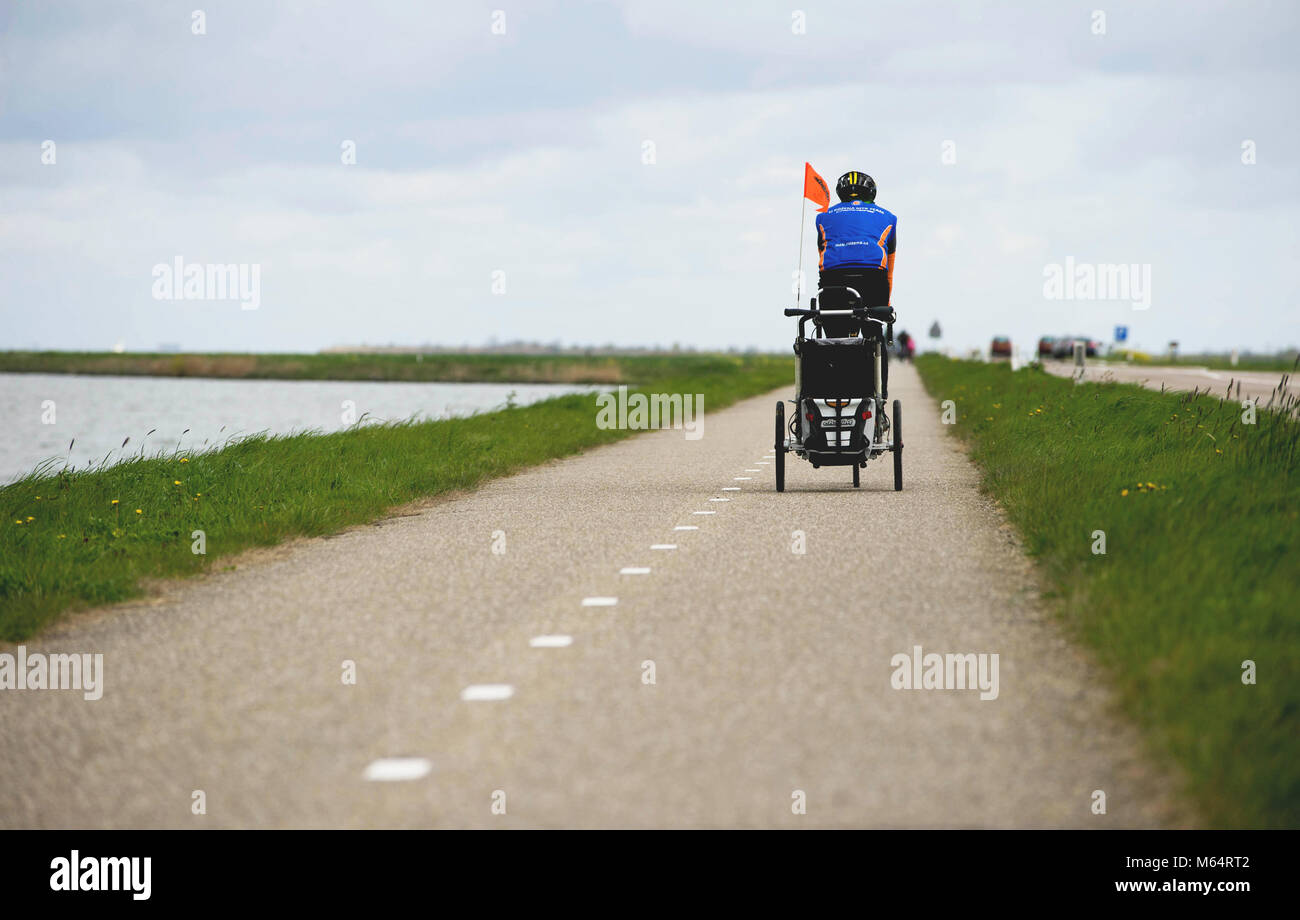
(99, 412)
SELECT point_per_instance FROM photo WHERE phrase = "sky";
(630, 172)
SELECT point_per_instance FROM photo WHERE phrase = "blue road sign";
(1121, 333)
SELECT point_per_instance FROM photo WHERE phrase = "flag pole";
(803, 217)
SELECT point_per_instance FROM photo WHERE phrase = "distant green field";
(1201, 521)
(1283, 361)
(1244, 363)
(75, 539)
(466, 368)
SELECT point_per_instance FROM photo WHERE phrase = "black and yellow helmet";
(856, 185)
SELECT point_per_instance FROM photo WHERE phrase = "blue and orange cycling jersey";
(856, 233)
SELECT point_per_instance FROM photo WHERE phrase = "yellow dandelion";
(138, 511)
(185, 459)
(30, 518)
(19, 523)
(113, 502)
(62, 536)
(1217, 451)
(1151, 485)
(1123, 492)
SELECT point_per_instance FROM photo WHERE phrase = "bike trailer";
(834, 380)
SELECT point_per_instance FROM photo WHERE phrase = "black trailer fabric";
(836, 367)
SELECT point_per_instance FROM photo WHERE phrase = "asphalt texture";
(736, 684)
(1252, 385)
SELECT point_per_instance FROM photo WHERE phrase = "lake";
(44, 412)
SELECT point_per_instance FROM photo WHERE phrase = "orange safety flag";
(815, 188)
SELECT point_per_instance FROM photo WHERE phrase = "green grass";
(466, 368)
(1200, 571)
(1285, 362)
(1282, 361)
(64, 544)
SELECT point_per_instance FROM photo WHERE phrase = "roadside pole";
(798, 284)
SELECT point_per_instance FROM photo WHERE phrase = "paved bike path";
(771, 669)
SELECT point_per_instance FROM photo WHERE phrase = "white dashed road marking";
(703, 512)
(476, 693)
(396, 769)
(740, 478)
(634, 570)
(686, 527)
(599, 601)
(663, 546)
(551, 641)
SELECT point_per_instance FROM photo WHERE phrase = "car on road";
(1001, 347)
(1045, 346)
(1064, 346)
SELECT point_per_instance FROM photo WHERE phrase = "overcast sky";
(524, 153)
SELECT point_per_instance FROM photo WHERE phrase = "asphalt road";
(1254, 384)
(772, 669)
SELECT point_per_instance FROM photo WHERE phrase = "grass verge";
(1199, 515)
(76, 539)
(461, 368)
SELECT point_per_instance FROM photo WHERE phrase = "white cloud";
(1057, 156)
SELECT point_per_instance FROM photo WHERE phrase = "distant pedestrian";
(906, 346)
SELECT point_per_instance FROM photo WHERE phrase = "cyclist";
(856, 240)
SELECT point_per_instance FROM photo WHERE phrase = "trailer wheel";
(780, 446)
(898, 447)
